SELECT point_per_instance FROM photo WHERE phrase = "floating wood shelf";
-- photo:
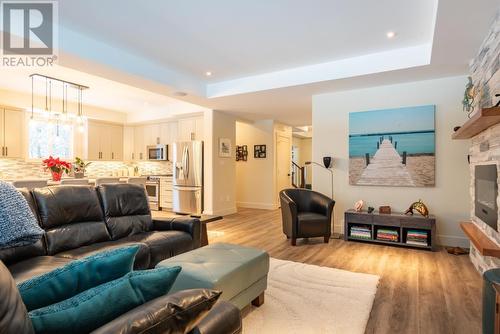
(479, 122)
(480, 240)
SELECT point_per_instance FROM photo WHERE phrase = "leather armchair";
(306, 214)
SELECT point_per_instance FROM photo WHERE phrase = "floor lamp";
(327, 163)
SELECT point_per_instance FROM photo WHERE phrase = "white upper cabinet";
(139, 143)
(128, 143)
(190, 129)
(105, 141)
(11, 133)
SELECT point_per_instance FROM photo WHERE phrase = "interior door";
(283, 163)
(13, 132)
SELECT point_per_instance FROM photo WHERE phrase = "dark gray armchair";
(306, 214)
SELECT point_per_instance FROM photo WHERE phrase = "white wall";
(448, 200)
(219, 173)
(255, 177)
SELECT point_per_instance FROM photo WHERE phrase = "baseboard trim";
(453, 240)
(257, 205)
(225, 212)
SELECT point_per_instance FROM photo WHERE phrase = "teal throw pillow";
(94, 308)
(77, 276)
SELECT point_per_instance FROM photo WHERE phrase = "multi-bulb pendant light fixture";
(64, 115)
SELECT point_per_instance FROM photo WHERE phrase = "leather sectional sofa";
(82, 220)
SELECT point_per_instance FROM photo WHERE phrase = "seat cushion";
(142, 257)
(95, 307)
(225, 267)
(71, 217)
(24, 270)
(312, 224)
(163, 244)
(126, 209)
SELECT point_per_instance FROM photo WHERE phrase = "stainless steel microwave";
(158, 152)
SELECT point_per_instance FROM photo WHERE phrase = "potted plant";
(79, 167)
(56, 167)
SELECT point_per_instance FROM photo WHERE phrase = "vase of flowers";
(56, 167)
(79, 167)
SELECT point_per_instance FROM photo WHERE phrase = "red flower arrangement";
(57, 167)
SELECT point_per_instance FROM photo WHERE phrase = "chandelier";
(62, 113)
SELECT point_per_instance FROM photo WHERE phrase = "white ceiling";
(240, 38)
(267, 57)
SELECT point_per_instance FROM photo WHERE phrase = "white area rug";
(303, 298)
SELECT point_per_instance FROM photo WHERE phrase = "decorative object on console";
(384, 209)
(225, 147)
(371, 209)
(420, 207)
(392, 147)
(259, 151)
(79, 167)
(358, 206)
(241, 153)
(56, 167)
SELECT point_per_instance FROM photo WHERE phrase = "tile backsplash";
(20, 169)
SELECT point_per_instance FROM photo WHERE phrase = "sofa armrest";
(179, 312)
(223, 318)
(184, 224)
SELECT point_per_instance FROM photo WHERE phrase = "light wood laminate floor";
(419, 292)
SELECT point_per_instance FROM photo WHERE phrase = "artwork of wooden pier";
(386, 168)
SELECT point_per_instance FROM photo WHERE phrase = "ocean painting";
(392, 147)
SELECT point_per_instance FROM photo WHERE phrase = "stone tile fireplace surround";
(485, 146)
(489, 138)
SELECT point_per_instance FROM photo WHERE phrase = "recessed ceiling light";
(391, 34)
(180, 94)
(208, 73)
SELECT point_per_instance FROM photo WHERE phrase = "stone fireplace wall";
(485, 147)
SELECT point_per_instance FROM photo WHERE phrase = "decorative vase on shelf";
(56, 176)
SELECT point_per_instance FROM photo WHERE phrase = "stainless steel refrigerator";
(187, 191)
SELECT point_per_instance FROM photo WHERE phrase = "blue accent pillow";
(94, 308)
(77, 276)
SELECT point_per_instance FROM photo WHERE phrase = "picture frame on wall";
(242, 153)
(225, 147)
(259, 151)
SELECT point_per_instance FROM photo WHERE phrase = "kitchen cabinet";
(105, 142)
(139, 143)
(190, 129)
(11, 133)
(166, 192)
(128, 143)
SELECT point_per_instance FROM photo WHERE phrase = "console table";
(395, 222)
